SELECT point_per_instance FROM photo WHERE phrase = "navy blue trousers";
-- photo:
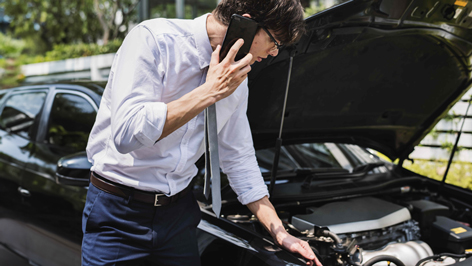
(119, 231)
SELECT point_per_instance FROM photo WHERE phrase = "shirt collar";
(202, 41)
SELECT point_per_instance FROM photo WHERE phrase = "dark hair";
(283, 17)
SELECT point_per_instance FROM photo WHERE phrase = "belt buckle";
(156, 201)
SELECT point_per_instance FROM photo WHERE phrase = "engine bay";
(377, 230)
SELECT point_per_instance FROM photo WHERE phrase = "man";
(149, 133)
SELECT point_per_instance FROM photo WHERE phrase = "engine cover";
(354, 215)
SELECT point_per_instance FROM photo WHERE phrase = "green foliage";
(314, 8)
(168, 10)
(450, 116)
(460, 173)
(454, 118)
(434, 134)
(10, 74)
(319, 5)
(53, 22)
(10, 47)
(447, 145)
(46, 23)
(11, 67)
(34, 45)
(64, 51)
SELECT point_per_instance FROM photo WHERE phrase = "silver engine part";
(376, 239)
(409, 253)
(354, 215)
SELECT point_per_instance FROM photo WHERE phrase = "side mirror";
(73, 170)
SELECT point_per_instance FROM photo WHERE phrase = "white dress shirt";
(160, 61)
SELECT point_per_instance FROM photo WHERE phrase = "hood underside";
(376, 73)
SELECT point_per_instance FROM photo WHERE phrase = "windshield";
(318, 156)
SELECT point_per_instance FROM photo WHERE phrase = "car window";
(316, 156)
(70, 122)
(265, 159)
(20, 112)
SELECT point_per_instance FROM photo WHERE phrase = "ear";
(247, 15)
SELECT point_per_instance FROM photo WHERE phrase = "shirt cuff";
(253, 194)
(153, 123)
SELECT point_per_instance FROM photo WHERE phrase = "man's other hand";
(265, 213)
(296, 245)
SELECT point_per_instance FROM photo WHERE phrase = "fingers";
(318, 263)
(246, 60)
(215, 57)
(304, 249)
(233, 51)
(230, 58)
(224, 77)
(244, 71)
(310, 254)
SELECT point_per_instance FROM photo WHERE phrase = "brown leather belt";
(138, 195)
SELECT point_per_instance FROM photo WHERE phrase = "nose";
(274, 52)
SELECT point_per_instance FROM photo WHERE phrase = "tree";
(53, 21)
(114, 16)
(50, 22)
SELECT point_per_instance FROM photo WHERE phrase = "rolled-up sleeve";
(238, 159)
(137, 113)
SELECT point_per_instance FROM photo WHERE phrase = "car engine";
(372, 224)
(372, 231)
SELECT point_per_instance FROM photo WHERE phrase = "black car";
(368, 75)
(39, 218)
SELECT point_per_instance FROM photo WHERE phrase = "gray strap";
(212, 164)
(206, 187)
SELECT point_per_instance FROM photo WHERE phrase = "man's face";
(262, 46)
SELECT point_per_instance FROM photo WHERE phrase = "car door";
(19, 116)
(66, 123)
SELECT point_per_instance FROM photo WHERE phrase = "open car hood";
(376, 73)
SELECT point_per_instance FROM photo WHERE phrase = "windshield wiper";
(365, 168)
(319, 171)
(303, 171)
(358, 171)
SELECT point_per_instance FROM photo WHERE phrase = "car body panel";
(373, 73)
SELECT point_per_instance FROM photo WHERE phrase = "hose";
(458, 256)
(384, 258)
(335, 237)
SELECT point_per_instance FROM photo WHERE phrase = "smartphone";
(239, 28)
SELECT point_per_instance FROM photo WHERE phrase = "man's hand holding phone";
(230, 62)
(224, 77)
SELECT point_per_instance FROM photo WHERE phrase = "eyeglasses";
(277, 45)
